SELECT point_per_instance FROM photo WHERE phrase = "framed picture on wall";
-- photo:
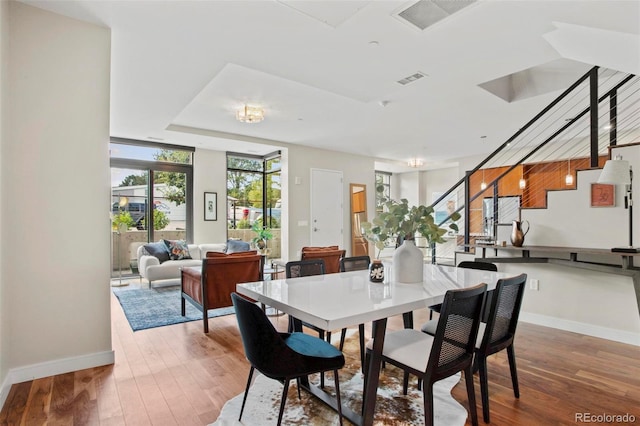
(602, 195)
(210, 206)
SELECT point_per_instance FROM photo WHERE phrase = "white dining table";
(336, 301)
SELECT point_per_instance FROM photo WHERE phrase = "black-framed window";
(147, 174)
(254, 191)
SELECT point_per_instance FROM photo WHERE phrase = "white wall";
(4, 305)
(209, 175)
(595, 301)
(410, 188)
(439, 180)
(355, 169)
(53, 267)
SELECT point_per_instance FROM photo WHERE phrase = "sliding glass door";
(151, 200)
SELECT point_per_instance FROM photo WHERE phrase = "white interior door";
(326, 208)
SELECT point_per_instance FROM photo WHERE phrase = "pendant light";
(483, 185)
(522, 183)
(568, 179)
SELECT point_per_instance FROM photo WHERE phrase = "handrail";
(592, 76)
(519, 132)
(540, 146)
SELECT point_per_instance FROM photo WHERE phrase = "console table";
(573, 258)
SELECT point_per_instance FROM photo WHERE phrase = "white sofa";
(151, 269)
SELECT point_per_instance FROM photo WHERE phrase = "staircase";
(575, 132)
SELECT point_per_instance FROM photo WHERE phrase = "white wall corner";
(582, 328)
(4, 390)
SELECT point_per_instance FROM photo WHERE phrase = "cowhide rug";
(392, 407)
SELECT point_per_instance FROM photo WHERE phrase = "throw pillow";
(178, 249)
(235, 246)
(158, 250)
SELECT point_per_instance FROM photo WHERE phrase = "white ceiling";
(326, 72)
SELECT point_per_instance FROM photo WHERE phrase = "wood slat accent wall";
(540, 178)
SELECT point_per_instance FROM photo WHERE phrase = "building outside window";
(383, 188)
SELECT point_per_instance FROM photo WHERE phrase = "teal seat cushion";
(308, 345)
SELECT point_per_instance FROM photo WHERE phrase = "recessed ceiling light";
(374, 43)
(483, 137)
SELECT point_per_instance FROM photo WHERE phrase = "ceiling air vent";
(412, 78)
(425, 13)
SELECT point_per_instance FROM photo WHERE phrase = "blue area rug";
(156, 307)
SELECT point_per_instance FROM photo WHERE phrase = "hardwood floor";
(177, 375)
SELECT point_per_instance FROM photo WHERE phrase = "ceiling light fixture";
(250, 114)
(415, 162)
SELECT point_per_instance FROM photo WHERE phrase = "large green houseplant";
(398, 222)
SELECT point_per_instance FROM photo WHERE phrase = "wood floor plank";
(62, 399)
(39, 401)
(177, 375)
(133, 409)
(16, 404)
(109, 407)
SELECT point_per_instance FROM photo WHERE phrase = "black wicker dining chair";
(497, 333)
(469, 264)
(356, 263)
(449, 351)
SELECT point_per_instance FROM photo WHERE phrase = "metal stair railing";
(566, 130)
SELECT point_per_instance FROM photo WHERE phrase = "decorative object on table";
(376, 271)
(210, 206)
(263, 234)
(408, 262)
(602, 195)
(619, 172)
(264, 396)
(399, 221)
(517, 234)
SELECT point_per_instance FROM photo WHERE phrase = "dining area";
(477, 312)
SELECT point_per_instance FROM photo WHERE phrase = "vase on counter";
(408, 263)
(517, 234)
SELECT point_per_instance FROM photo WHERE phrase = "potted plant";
(400, 223)
(262, 235)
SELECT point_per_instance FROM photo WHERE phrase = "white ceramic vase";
(408, 263)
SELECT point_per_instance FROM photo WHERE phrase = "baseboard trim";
(582, 328)
(52, 368)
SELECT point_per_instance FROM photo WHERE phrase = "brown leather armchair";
(211, 286)
(331, 256)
